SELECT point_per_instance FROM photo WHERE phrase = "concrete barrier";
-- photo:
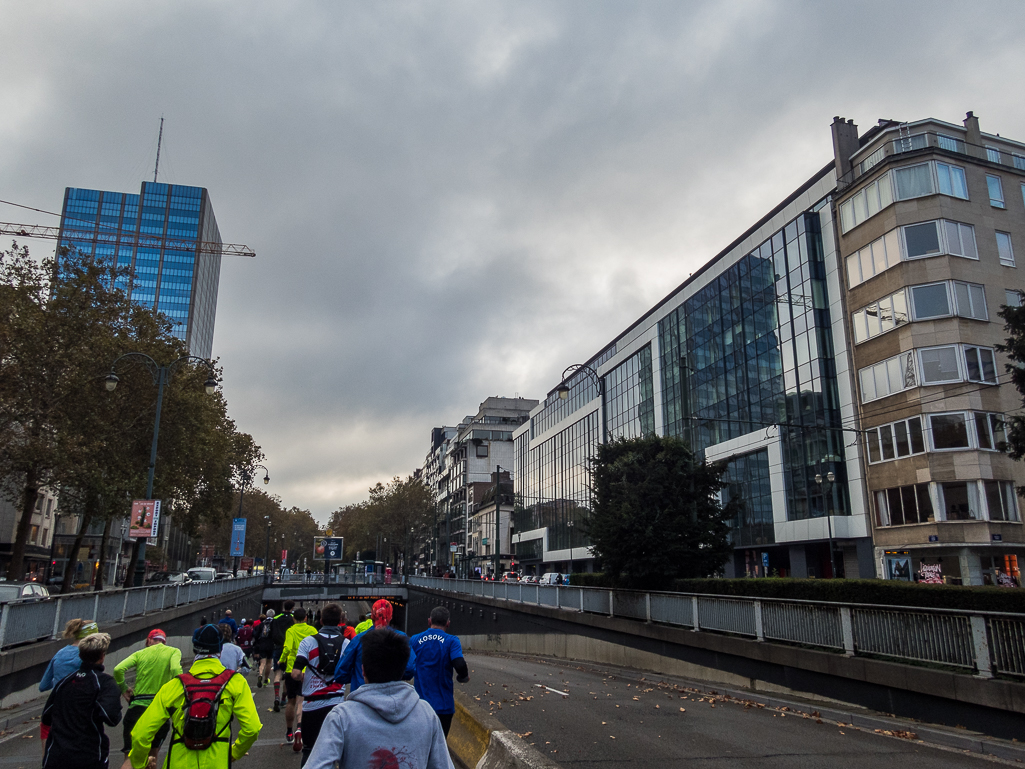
(477, 740)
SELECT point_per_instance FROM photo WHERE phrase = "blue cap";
(207, 640)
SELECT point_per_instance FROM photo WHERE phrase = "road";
(588, 717)
(592, 718)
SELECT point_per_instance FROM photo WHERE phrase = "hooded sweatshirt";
(381, 725)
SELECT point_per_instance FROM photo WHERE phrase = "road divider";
(477, 740)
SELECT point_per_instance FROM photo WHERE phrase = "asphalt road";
(595, 718)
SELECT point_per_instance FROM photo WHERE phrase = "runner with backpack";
(278, 631)
(318, 656)
(200, 705)
(293, 689)
(263, 651)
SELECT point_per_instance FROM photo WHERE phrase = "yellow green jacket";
(154, 666)
(295, 634)
(364, 625)
(236, 701)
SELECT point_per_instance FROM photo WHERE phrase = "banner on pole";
(328, 548)
(145, 518)
(238, 536)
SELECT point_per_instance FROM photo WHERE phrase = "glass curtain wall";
(630, 397)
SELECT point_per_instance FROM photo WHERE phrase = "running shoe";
(288, 735)
(259, 682)
(277, 705)
(297, 738)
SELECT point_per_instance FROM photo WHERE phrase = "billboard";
(145, 518)
(246, 564)
(238, 537)
(328, 548)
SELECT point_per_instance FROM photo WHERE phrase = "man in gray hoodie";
(384, 723)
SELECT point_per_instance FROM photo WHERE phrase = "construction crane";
(115, 237)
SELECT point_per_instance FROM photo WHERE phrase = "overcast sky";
(452, 200)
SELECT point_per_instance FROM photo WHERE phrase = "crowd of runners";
(346, 692)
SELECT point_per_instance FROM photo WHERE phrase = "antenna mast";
(160, 139)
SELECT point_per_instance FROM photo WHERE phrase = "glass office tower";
(168, 271)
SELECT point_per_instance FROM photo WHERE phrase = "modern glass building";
(167, 270)
(840, 356)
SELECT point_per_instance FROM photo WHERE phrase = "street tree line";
(63, 322)
(392, 520)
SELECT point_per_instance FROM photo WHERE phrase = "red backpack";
(202, 698)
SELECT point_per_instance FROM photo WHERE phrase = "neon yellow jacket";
(364, 625)
(295, 634)
(154, 666)
(236, 701)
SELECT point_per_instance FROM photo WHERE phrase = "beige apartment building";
(929, 216)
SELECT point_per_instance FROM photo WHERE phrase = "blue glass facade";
(169, 274)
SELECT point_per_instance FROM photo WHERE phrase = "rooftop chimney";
(845, 144)
(971, 124)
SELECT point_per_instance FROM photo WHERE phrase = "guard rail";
(983, 643)
(29, 620)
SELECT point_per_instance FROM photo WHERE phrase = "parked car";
(223, 575)
(551, 578)
(168, 578)
(20, 591)
(529, 579)
(202, 574)
(510, 576)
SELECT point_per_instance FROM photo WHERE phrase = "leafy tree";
(656, 514)
(1014, 324)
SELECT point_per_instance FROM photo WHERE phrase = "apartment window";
(1012, 297)
(895, 440)
(872, 160)
(930, 301)
(992, 154)
(1000, 499)
(996, 191)
(989, 431)
(904, 505)
(33, 536)
(49, 507)
(939, 365)
(908, 143)
(46, 533)
(482, 449)
(880, 316)
(959, 239)
(888, 377)
(971, 300)
(952, 181)
(922, 239)
(877, 256)
(913, 181)
(1019, 161)
(950, 143)
(1004, 249)
(867, 202)
(938, 237)
(949, 431)
(959, 500)
(980, 364)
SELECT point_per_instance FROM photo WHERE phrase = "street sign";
(246, 564)
(238, 537)
(145, 518)
(328, 548)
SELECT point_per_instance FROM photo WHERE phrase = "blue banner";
(238, 537)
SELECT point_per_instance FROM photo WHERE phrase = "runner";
(318, 655)
(244, 637)
(66, 661)
(77, 710)
(231, 655)
(293, 687)
(350, 666)
(279, 628)
(263, 651)
(366, 624)
(155, 665)
(234, 700)
(437, 654)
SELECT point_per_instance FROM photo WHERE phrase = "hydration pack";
(202, 698)
(329, 651)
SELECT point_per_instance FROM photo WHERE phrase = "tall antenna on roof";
(160, 139)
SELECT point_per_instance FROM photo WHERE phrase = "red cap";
(156, 634)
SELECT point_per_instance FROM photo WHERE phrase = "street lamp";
(563, 389)
(830, 478)
(161, 376)
(245, 479)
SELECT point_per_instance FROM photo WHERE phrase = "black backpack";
(202, 698)
(329, 651)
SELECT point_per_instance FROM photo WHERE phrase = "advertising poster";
(327, 548)
(246, 564)
(899, 568)
(145, 518)
(284, 557)
(238, 537)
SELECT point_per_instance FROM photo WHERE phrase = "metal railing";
(31, 620)
(339, 579)
(983, 643)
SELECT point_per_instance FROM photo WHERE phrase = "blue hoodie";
(350, 667)
(381, 725)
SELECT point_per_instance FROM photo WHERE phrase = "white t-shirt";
(312, 682)
(231, 656)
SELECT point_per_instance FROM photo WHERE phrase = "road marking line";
(542, 686)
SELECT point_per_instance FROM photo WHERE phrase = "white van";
(551, 578)
(202, 574)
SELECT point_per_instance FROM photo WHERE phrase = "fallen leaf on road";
(904, 735)
(525, 735)
(612, 737)
(683, 710)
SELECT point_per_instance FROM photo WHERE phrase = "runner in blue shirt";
(437, 655)
(350, 666)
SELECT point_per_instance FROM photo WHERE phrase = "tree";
(1014, 325)
(656, 514)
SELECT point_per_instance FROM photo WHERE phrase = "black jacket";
(278, 628)
(76, 712)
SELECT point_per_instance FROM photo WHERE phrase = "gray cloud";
(454, 200)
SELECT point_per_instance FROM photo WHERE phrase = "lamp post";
(266, 560)
(498, 523)
(161, 376)
(563, 389)
(829, 479)
(246, 478)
